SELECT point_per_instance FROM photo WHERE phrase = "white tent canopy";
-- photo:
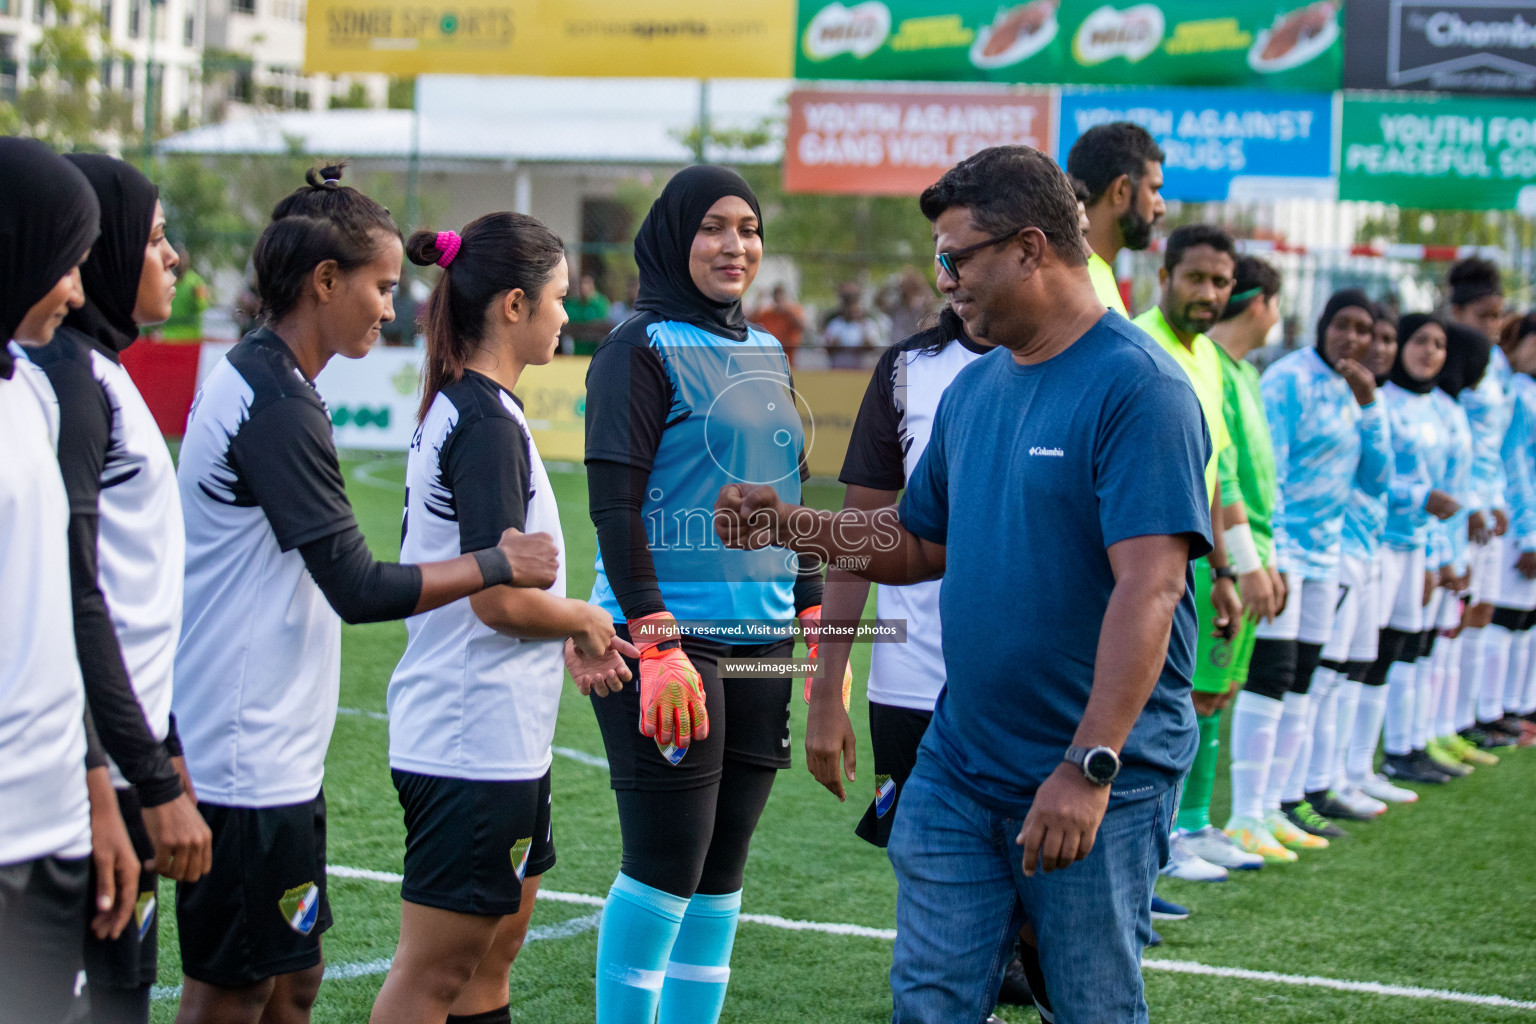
(589, 120)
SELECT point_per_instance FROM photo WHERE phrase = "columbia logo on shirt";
(1053, 452)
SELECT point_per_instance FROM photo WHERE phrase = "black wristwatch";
(1099, 765)
(1226, 572)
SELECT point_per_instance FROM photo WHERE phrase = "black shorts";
(262, 908)
(895, 733)
(748, 721)
(470, 843)
(43, 905)
(130, 960)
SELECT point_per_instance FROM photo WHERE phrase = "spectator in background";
(588, 305)
(909, 303)
(624, 308)
(784, 319)
(854, 334)
(187, 308)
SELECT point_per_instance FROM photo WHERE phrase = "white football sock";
(1519, 670)
(1369, 716)
(1402, 684)
(1344, 730)
(1289, 739)
(1473, 659)
(1327, 688)
(1498, 644)
(1450, 687)
(1255, 722)
(1423, 701)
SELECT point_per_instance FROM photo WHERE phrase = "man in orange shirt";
(784, 320)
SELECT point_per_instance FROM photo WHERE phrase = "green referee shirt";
(1202, 362)
(1252, 455)
(1104, 284)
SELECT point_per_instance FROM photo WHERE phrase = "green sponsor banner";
(1441, 154)
(1284, 44)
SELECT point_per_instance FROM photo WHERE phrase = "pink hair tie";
(448, 243)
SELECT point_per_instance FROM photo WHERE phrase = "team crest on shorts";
(1221, 654)
(672, 752)
(520, 850)
(300, 907)
(885, 795)
(144, 913)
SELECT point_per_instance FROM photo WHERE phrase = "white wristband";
(1242, 554)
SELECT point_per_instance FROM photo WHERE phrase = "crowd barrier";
(373, 400)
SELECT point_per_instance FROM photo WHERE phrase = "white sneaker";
(1357, 801)
(1214, 846)
(1185, 864)
(1378, 787)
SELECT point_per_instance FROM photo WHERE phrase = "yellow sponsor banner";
(594, 38)
(555, 405)
(555, 402)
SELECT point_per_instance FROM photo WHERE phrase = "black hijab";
(665, 239)
(1381, 313)
(1466, 358)
(48, 218)
(1337, 301)
(1407, 325)
(111, 275)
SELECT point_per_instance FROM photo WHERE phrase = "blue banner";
(1220, 143)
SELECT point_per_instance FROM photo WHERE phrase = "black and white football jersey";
(258, 667)
(467, 701)
(889, 437)
(141, 542)
(43, 807)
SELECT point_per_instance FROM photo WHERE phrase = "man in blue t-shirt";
(1061, 499)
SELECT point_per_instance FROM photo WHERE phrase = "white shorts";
(1308, 615)
(1515, 591)
(1447, 608)
(1406, 600)
(1355, 628)
(1487, 578)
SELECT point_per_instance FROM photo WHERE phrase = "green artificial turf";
(1434, 896)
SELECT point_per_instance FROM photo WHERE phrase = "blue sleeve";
(925, 503)
(1280, 409)
(1520, 487)
(1410, 478)
(1374, 473)
(1483, 405)
(1149, 466)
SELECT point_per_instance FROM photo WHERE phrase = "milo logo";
(859, 30)
(1107, 33)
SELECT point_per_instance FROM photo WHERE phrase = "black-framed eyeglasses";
(949, 262)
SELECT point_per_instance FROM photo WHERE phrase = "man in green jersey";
(1196, 280)
(1251, 314)
(1122, 167)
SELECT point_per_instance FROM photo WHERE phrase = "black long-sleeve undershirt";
(359, 588)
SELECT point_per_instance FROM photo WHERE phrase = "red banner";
(899, 143)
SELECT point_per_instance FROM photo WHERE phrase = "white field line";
(1172, 966)
(341, 972)
(1312, 981)
(570, 753)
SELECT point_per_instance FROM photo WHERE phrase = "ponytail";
(494, 255)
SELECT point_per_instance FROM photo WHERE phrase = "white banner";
(373, 400)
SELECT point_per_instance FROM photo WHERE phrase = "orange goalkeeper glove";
(810, 625)
(671, 692)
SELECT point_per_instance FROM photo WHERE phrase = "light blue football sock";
(700, 967)
(639, 927)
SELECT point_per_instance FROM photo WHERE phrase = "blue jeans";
(962, 898)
